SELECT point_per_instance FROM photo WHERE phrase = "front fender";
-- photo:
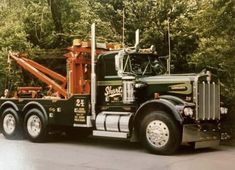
(160, 104)
(177, 100)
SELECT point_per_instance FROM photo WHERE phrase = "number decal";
(80, 103)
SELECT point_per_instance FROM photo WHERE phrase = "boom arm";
(41, 73)
(78, 69)
(47, 71)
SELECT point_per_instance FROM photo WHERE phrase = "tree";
(12, 37)
(214, 25)
(202, 32)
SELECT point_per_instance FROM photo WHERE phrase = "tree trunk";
(56, 14)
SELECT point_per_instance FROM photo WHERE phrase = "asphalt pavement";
(105, 154)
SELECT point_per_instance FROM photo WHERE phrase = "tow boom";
(41, 73)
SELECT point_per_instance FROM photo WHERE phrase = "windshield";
(143, 64)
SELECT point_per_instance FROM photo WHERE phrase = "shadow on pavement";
(119, 144)
(124, 144)
(189, 150)
(96, 141)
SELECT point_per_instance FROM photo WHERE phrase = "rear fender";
(9, 104)
(36, 105)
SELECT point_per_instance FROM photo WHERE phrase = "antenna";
(169, 48)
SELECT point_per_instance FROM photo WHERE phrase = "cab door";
(109, 84)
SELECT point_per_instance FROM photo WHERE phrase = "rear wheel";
(35, 126)
(11, 124)
(160, 133)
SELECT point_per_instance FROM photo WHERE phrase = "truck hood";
(166, 79)
(170, 84)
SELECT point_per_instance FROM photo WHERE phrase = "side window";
(109, 65)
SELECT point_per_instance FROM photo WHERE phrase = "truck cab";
(134, 82)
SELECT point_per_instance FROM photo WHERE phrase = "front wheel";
(160, 133)
(35, 126)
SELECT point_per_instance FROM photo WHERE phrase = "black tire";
(167, 140)
(11, 124)
(35, 126)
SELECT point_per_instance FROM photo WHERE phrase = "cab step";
(110, 134)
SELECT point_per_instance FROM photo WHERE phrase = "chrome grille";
(208, 101)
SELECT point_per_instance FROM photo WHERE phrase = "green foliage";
(215, 28)
(12, 37)
(202, 32)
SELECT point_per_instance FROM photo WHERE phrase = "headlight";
(223, 110)
(188, 111)
(139, 85)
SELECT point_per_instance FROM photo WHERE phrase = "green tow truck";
(124, 94)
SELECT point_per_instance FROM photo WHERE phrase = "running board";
(110, 134)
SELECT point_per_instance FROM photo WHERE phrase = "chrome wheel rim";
(157, 133)
(9, 124)
(34, 125)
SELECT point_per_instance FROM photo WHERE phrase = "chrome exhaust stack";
(93, 75)
(137, 38)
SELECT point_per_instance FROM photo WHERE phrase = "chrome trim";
(206, 98)
(124, 123)
(93, 75)
(112, 122)
(195, 95)
(34, 126)
(214, 102)
(100, 121)
(209, 101)
(9, 124)
(115, 113)
(137, 38)
(157, 133)
(203, 100)
(110, 134)
(128, 89)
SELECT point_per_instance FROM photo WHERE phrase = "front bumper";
(202, 137)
